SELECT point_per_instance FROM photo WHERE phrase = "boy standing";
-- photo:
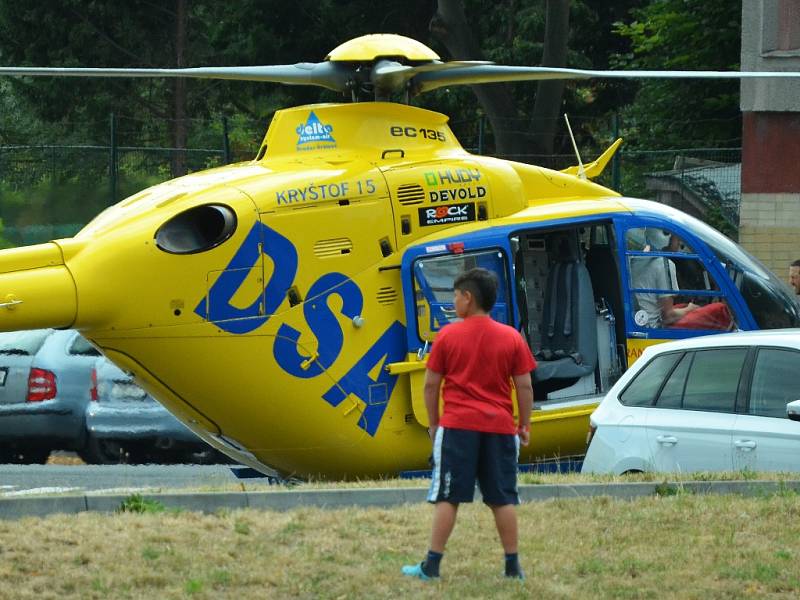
(476, 437)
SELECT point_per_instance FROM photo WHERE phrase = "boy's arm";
(433, 382)
(525, 405)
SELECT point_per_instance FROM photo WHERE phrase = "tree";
(449, 25)
(549, 93)
(678, 34)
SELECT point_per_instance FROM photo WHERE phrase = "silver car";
(125, 424)
(45, 384)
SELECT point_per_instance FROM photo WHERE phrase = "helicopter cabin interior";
(568, 293)
(584, 293)
(566, 283)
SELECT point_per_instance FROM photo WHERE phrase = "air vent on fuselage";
(387, 296)
(333, 247)
(410, 193)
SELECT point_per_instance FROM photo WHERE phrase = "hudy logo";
(314, 132)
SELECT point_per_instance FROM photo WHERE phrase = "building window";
(788, 25)
(781, 26)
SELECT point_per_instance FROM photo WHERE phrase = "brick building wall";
(769, 220)
(770, 229)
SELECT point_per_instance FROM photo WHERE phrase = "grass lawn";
(677, 546)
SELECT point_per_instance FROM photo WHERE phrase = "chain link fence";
(48, 191)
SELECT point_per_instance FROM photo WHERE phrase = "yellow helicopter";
(283, 307)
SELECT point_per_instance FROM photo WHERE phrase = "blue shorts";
(461, 457)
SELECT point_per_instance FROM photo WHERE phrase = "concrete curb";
(209, 502)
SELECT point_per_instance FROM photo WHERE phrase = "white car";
(723, 402)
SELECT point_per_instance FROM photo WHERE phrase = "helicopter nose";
(36, 289)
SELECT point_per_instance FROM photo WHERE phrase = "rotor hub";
(369, 48)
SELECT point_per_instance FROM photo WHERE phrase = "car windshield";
(24, 343)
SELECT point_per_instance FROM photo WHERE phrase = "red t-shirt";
(477, 357)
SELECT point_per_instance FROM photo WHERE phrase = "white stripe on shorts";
(436, 475)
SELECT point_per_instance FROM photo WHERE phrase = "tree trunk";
(549, 94)
(449, 25)
(179, 129)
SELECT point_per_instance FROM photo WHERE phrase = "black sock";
(512, 565)
(430, 566)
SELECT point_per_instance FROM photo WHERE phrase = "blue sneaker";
(416, 571)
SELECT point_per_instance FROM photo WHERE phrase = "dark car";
(125, 424)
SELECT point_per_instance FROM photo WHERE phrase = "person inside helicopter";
(671, 310)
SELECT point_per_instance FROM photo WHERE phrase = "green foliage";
(149, 553)
(665, 488)
(680, 34)
(241, 527)
(221, 578)
(512, 32)
(630, 34)
(136, 503)
(4, 243)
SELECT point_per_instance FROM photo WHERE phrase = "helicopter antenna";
(581, 171)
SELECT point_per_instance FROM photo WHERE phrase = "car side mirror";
(793, 410)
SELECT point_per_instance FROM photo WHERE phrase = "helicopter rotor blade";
(330, 75)
(388, 76)
(427, 81)
(393, 76)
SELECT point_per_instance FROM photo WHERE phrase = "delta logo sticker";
(447, 213)
(313, 134)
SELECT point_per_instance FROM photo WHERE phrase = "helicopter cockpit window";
(197, 229)
(773, 304)
(433, 288)
(669, 285)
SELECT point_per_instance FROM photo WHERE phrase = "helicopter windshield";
(770, 300)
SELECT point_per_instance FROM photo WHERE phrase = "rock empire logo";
(314, 132)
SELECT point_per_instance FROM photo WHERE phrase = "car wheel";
(36, 456)
(103, 452)
(24, 456)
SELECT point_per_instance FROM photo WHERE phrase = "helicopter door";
(235, 297)
(671, 289)
(429, 304)
(566, 315)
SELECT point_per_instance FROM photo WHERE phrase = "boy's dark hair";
(481, 283)
(795, 263)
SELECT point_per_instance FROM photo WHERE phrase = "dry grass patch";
(662, 547)
(258, 485)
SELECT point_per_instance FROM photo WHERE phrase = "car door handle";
(667, 440)
(745, 445)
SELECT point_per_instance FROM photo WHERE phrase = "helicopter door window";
(670, 287)
(433, 287)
